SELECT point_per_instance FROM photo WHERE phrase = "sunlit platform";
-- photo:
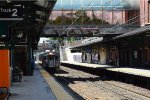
(40, 86)
(31, 88)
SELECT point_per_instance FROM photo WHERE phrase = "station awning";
(33, 15)
(134, 32)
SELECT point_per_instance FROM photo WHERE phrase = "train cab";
(51, 62)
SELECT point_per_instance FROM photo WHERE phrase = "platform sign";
(13, 12)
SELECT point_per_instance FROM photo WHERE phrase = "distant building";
(145, 12)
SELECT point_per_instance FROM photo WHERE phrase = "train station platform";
(131, 75)
(40, 86)
(134, 71)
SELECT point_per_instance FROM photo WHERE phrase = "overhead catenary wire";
(79, 16)
(97, 39)
(66, 30)
(105, 5)
(73, 21)
(127, 23)
(136, 16)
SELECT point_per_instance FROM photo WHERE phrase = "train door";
(44, 61)
(124, 57)
(51, 61)
(57, 61)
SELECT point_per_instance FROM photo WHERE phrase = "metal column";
(29, 54)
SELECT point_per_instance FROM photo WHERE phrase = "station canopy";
(28, 20)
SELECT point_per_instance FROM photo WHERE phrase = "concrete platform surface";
(88, 65)
(32, 88)
(133, 71)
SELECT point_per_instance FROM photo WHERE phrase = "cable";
(82, 13)
(143, 20)
(89, 39)
(74, 21)
(106, 4)
(124, 23)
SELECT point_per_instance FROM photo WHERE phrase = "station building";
(129, 49)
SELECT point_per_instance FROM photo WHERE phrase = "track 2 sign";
(11, 12)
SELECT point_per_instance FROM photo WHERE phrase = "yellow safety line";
(56, 88)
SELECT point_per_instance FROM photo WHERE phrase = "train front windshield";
(51, 60)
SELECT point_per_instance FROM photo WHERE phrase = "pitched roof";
(134, 32)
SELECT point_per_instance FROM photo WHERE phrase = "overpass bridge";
(97, 5)
(88, 18)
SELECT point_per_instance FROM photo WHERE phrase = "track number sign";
(11, 13)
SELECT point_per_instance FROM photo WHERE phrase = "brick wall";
(145, 11)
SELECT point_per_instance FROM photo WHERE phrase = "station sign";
(13, 12)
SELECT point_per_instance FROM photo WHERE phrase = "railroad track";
(81, 93)
(129, 95)
(129, 90)
(123, 93)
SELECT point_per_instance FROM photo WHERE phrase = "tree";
(79, 17)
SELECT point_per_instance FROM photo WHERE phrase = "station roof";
(35, 14)
(134, 32)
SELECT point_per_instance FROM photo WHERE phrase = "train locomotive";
(50, 61)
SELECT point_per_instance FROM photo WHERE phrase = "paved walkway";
(32, 88)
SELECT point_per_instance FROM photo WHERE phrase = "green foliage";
(79, 17)
(61, 20)
(59, 39)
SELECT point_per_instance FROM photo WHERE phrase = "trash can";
(4, 69)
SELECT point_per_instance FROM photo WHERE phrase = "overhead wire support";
(126, 23)
(82, 20)
(80, 15)
(73, 22)
(140, 20)
(106, 4)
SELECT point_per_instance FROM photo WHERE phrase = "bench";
(17, 77)
(17, 74)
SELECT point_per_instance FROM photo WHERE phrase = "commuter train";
(50, 61)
